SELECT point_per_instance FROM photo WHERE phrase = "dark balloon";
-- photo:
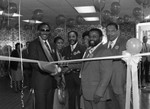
(38, 14)
(71, 22)
(120, 20)
(137, 12)
(3, 4)
(143, 2)
(12, 8)
(99, 5)
(60, 19)
(106, 15)
(115, 8)
(79, 19)
(126, 18)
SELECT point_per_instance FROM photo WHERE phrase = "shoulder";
(82, 47)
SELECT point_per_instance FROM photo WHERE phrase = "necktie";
(89, 53)
(146, 50)
(110, 45)
(47, 46)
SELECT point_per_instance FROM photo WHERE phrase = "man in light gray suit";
(96, 75)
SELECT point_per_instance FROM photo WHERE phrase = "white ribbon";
(132, 80)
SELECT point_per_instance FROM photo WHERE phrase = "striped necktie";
(47, 46)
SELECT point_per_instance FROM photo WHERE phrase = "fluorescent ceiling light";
(147, 17)
(1, 12)
(85, 9)
(16, 15)
(91, 18)
(32, 21)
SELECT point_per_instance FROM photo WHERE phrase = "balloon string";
(22, 93)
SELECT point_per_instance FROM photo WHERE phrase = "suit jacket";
(145, 50)
(119, 67)
(96, 75)
(41, 80)
(77, 53)
(14, 64)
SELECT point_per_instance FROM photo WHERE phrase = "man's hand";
(96, 99)
(48, 67)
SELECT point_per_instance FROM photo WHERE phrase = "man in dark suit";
(27, 70)
(117, 44)
(73, 51)
(145, 62)
(42, 82)
(96, 75)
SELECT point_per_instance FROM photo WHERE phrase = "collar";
(112, 43)
(73, 46)
(93, 49)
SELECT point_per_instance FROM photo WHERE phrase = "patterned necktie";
(47, 46)
(110, 45)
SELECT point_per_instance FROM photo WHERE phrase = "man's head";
(72, 37)
(44, 30)
(95, 37)
(27, 44)
(18, 46)
(145, 38)
(85, 38)
(112, 31)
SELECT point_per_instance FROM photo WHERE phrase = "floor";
(12, 100)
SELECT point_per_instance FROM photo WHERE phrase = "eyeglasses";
(45, 30)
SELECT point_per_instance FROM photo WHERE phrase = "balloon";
(79, 19)
(115, 8)
(71, 22)
(3, 4)
(12, 7)
(126, 18)
(106, 15)
(137, 12)
(120, 20)
(143, 2)
(38, 14)
(134, 46)
(114, 18)
(60, 19)
(99, 5)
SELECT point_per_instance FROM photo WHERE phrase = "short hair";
(86, 33)
(97, 30)
(17, 44)
(58, 38)
(42, 24)
(113, 24)
(76, 33)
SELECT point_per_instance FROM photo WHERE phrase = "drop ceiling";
(53, 8)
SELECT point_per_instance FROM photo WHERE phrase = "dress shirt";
(47, 45)
(73, 46)
(92, 49)
(112, 43)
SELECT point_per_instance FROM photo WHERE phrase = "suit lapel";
(48, 55)
(95, 53)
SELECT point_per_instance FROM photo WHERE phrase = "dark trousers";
(117, 101)
(73, 84)
(27, 78)
(145, 71)
(44, 99)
